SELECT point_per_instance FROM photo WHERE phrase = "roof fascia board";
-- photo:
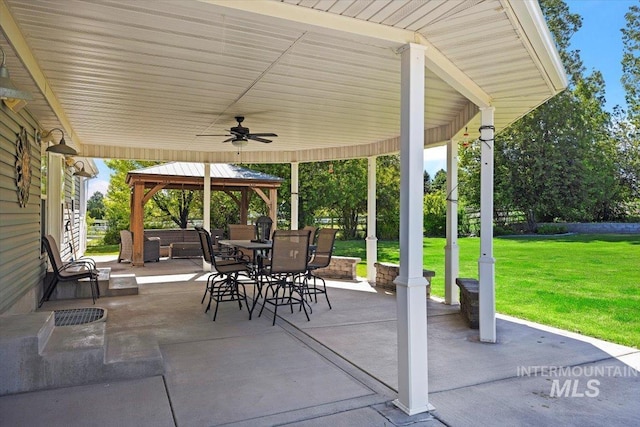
(528, 16)
(394, 38)
(15, 37)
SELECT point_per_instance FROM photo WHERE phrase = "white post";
(294, 195)
(371, 240)
(451, 250)
(486, 263)
(206, 207)
(411, 286)
(55, 197)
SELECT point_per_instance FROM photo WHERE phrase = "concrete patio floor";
(339, 369)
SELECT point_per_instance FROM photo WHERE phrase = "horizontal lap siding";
(21, 267)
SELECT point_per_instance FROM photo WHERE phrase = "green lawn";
(583, 283)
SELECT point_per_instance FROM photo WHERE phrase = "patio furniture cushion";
(185, 250)
(174, 235)
(151, 250)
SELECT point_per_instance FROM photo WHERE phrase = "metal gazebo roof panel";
(219, 171)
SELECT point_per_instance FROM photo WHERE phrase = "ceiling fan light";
(240, 142)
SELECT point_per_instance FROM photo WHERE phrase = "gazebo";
(236, 181)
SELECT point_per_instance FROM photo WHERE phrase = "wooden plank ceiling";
(141, 79)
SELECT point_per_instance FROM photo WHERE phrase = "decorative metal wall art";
(23, 167)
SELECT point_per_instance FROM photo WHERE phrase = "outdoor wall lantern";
(61, 147)
(7, 89)
(81, 171)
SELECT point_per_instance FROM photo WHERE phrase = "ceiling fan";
(240, 135)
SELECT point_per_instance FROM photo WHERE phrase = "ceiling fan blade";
(263, 134)
(257, 138)
(233, 138)
(212, 134)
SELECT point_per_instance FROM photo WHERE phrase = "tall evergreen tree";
(555, 162)
(626, 128)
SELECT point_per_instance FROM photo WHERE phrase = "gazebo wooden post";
(137, 223)
(273, 206)
(244, 206)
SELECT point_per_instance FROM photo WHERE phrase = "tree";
(95, 206)
(439, 181)
(388, 197)
(626, 129)
(555, 162)
(426, 178)
(117, 199)
(631, 63)
(178, 205)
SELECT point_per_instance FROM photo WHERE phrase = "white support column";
(371, 240)
(411, 286)
(452, 250)
(55, 196)
(206, 207)
(294, 195)
(486, 263)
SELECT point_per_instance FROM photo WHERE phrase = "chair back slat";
(324, 248)
(289, 253)
(51, 246)
(312, 230)
(205, 244)
(242, 232)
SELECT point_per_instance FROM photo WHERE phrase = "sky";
(599, 41)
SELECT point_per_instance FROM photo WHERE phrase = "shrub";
(551, 229)
(435, 214)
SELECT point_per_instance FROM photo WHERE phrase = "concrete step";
(111, 285)
(49, 356)
(22, 338)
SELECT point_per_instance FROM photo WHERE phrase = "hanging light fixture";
(7, 89)
(81, 171)
(61, 147)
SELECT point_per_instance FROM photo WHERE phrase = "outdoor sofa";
(177, 242)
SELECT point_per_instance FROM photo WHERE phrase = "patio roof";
(190, 176)
(140, 80)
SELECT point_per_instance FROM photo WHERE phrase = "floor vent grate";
(78, 316)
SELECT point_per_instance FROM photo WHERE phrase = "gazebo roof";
(181, 175)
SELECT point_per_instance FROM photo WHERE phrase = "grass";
(588, 284)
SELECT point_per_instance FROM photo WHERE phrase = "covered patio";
(339, 369)
(335, 80)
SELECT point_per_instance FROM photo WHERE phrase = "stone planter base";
(387, 272)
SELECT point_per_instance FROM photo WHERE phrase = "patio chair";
(151, 249)
(68, 271)
(242, 232)
(223, 284)
(321, 259)
(312, 230)
(285, 273)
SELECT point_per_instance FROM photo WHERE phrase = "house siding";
(22, 267)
